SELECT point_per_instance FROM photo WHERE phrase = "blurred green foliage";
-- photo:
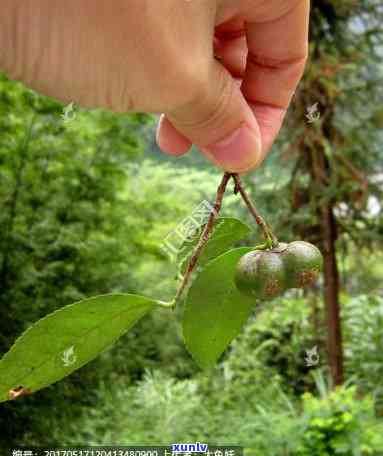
(340, 423)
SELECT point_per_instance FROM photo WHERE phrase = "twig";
(204, 236)
(267, 232)
(356, 173)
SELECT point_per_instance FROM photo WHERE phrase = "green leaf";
(214, 310)
(65, 340)
(226, 232)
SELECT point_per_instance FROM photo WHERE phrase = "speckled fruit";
(261, 273)
(265, 274)
(303, 264)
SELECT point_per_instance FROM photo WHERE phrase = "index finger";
(276, 59)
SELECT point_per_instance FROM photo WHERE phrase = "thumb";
(219, 122)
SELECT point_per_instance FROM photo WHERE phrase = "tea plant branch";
(271, 239)
(204, 236)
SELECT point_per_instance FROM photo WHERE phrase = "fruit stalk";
(204, 236)
(271, 239)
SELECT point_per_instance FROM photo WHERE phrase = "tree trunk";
(331, 294)
(321, 173)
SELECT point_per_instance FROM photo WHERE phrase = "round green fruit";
(261, 273)
(265, 274)
(303, 264)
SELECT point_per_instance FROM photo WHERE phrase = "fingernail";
(240, 151)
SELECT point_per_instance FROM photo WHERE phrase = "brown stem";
(204, 236)
(267, 232)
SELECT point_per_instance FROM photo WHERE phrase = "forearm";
(8, 26)
(29, 34)
(72, 50)
(19, 47)
(61, 49)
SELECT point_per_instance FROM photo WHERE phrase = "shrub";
(340, 423)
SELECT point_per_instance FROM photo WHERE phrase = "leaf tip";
(19, 392)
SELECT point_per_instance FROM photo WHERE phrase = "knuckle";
(208, 97)
(188, 84)
(215, 103)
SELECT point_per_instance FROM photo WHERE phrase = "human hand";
(158, 56)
